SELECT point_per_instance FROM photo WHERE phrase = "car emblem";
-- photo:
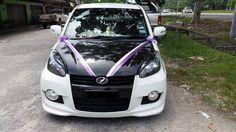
(102, 80)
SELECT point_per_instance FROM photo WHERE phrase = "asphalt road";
(23, 56)
(218, 16)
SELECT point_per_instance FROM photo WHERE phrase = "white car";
(166, 11)
(55, 16)
(187, 10)
(105, 64)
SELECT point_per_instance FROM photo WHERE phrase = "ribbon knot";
(117, 66)
(62, 38)
(150, 39)
(77, 55)
(124, 59)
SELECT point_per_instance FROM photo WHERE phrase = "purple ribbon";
(77, 55)
(116, 67)
(124, 59)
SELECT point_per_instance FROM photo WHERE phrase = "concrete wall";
(3, 9)
(4, 16)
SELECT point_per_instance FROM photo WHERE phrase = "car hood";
(102, 55)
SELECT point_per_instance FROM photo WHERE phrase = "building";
(22, 12)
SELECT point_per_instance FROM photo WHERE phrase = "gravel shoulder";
(23, 56)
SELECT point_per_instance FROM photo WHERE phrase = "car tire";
(45, 26)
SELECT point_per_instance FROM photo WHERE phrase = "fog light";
(153, 95)
(51, 95)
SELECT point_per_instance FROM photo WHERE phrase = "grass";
(214, 79)
(168, 19)
(216, 28)
(217, 11)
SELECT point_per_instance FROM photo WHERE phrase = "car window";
(106, 22)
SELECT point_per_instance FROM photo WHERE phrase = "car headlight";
(150, 67)
(56, 64)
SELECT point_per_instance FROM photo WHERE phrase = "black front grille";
(93, 97)
(112, 81)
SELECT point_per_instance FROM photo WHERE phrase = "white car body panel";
(141, 86)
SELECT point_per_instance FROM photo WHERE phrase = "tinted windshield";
(105, 22)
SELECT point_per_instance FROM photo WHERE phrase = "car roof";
(109, 5)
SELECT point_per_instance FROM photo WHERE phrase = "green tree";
(96, 1)
(171, 4)
(197, 12)
(216, 4)
(231, 3)
(181, 4)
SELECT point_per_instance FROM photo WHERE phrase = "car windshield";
(107, 23)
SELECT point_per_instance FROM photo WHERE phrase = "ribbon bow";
(116, 67)
(77, 55)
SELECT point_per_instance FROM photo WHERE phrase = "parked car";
(166, 11)
(105, 64)
(187, 10)
(55, 16)
(153, 13)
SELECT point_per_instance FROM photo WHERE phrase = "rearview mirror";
(56, 29)
(159, 31)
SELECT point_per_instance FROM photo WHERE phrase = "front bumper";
(141, 88)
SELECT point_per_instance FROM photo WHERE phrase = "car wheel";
(45, 26)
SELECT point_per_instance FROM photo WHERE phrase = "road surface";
(218, 16)
(23, 57)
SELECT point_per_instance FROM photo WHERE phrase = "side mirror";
(159, 31)
(56, 29)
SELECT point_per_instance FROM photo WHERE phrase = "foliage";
(213, 78)
(171, 4)
(185, 3)
(96, 1)
(231, 3)
(207, 4)
(179, 4)
(159, 2)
